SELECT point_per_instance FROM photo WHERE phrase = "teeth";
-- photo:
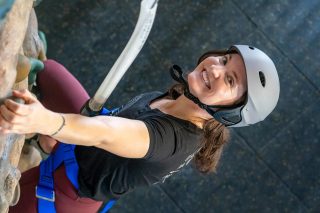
(206, 78)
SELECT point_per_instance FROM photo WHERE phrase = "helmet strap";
(178, 75)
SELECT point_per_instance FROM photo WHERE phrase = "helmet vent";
(251, 47)
(262, 78)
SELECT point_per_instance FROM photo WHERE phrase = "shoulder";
(168, 135)
(137, 103)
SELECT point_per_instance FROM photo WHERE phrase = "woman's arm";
(121, 136)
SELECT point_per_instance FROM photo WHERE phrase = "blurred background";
(269, 167)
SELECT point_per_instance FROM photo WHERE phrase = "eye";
(230, 81)
(224, 60)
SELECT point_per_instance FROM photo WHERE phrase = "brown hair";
(215, 135)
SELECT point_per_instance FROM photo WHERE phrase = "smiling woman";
(241, 74)
(228, 85)
(147, 139)
(219, 80)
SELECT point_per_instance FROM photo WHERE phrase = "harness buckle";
(45, 193)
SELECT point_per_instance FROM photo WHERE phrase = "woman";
(152, 136)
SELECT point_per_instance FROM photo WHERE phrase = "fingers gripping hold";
(24, 95)
(22, 118)
(7, 114)
(17, 108)
(13, 113)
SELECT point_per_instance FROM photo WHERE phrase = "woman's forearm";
(121, 136)
(76, 129)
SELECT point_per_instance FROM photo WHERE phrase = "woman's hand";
(31, 117)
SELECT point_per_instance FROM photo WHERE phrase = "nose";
(217, 71)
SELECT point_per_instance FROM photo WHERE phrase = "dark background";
(269, 167)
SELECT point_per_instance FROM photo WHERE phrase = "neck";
(185, 109)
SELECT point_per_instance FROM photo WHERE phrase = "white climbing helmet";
(262, 94)
(263, 85)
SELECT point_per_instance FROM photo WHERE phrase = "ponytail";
(215, 136)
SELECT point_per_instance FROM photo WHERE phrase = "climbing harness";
(45, 188)
(64, 154)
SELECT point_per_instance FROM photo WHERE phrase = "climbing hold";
(5, 6)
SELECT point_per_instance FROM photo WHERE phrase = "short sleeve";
(163, 135)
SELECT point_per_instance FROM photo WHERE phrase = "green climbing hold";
(5, 6)
(36, 2)
(44, 41)
(36, 66)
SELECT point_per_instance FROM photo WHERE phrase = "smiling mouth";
(205, 78)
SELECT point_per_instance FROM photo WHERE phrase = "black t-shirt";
(173, 142)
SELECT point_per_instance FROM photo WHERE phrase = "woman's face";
(219, 80)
